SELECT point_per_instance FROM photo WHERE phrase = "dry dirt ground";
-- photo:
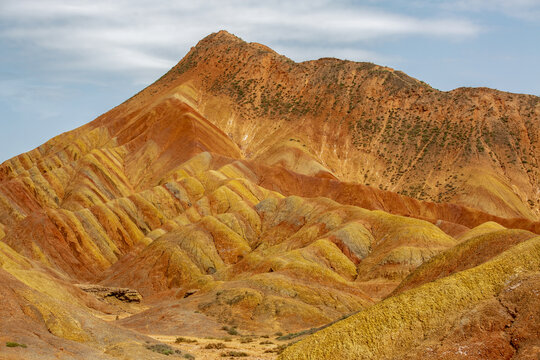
(246, 347)
(250, 347)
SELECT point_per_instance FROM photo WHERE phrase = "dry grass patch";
(234, 354)
(215, 346)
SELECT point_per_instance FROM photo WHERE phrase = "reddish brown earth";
(244, 195)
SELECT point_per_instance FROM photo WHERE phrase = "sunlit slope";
(401, 324)
(368, 124)
(83, 199)
(474, 250)
(53, 318)
(207, 226)
(245, 252)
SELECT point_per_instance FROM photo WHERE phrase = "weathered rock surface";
(470, 313)
(104, 293)
(370, 124)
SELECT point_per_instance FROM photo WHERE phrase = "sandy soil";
(255, 349)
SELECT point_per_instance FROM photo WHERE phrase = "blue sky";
(63, 63)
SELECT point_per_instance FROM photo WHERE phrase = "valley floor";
(245, 347)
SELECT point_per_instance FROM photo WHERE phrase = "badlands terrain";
(247, 206)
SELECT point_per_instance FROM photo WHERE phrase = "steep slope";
(452, 217)
(425, 321)
(54, 319)
(252, 252)
(475, 147)
(468, 254)
(77, 203)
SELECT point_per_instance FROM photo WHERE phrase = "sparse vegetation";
(234, 354)
(214, 219)
(230, 330)
(278, 349)
(297, 334)
(180, 340)
(312, 330)
(14, 344)
(161, 349)
(164, 349)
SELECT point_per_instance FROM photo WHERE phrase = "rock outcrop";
(106, 293)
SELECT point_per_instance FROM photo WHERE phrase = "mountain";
(368, 124)
(244, 193)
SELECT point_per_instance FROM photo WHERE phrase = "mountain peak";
(218, 38)
(375, 109)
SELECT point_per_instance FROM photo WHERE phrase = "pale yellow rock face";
(395, 326)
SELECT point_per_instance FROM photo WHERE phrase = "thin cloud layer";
(523, 9)
(138, 37)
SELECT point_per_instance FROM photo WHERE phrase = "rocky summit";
(245, 205)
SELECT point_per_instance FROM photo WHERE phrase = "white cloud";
(140, 36)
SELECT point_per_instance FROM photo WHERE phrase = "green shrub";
(230, 330)
(161, 349)
(184, 340)
(234, 354)
(14, 344)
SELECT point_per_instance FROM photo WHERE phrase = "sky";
(63, 63)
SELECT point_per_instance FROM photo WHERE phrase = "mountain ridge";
(419, 141)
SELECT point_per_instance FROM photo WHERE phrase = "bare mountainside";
(243, 195)
(369, 124)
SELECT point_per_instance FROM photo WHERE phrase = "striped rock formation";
(244, 190)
